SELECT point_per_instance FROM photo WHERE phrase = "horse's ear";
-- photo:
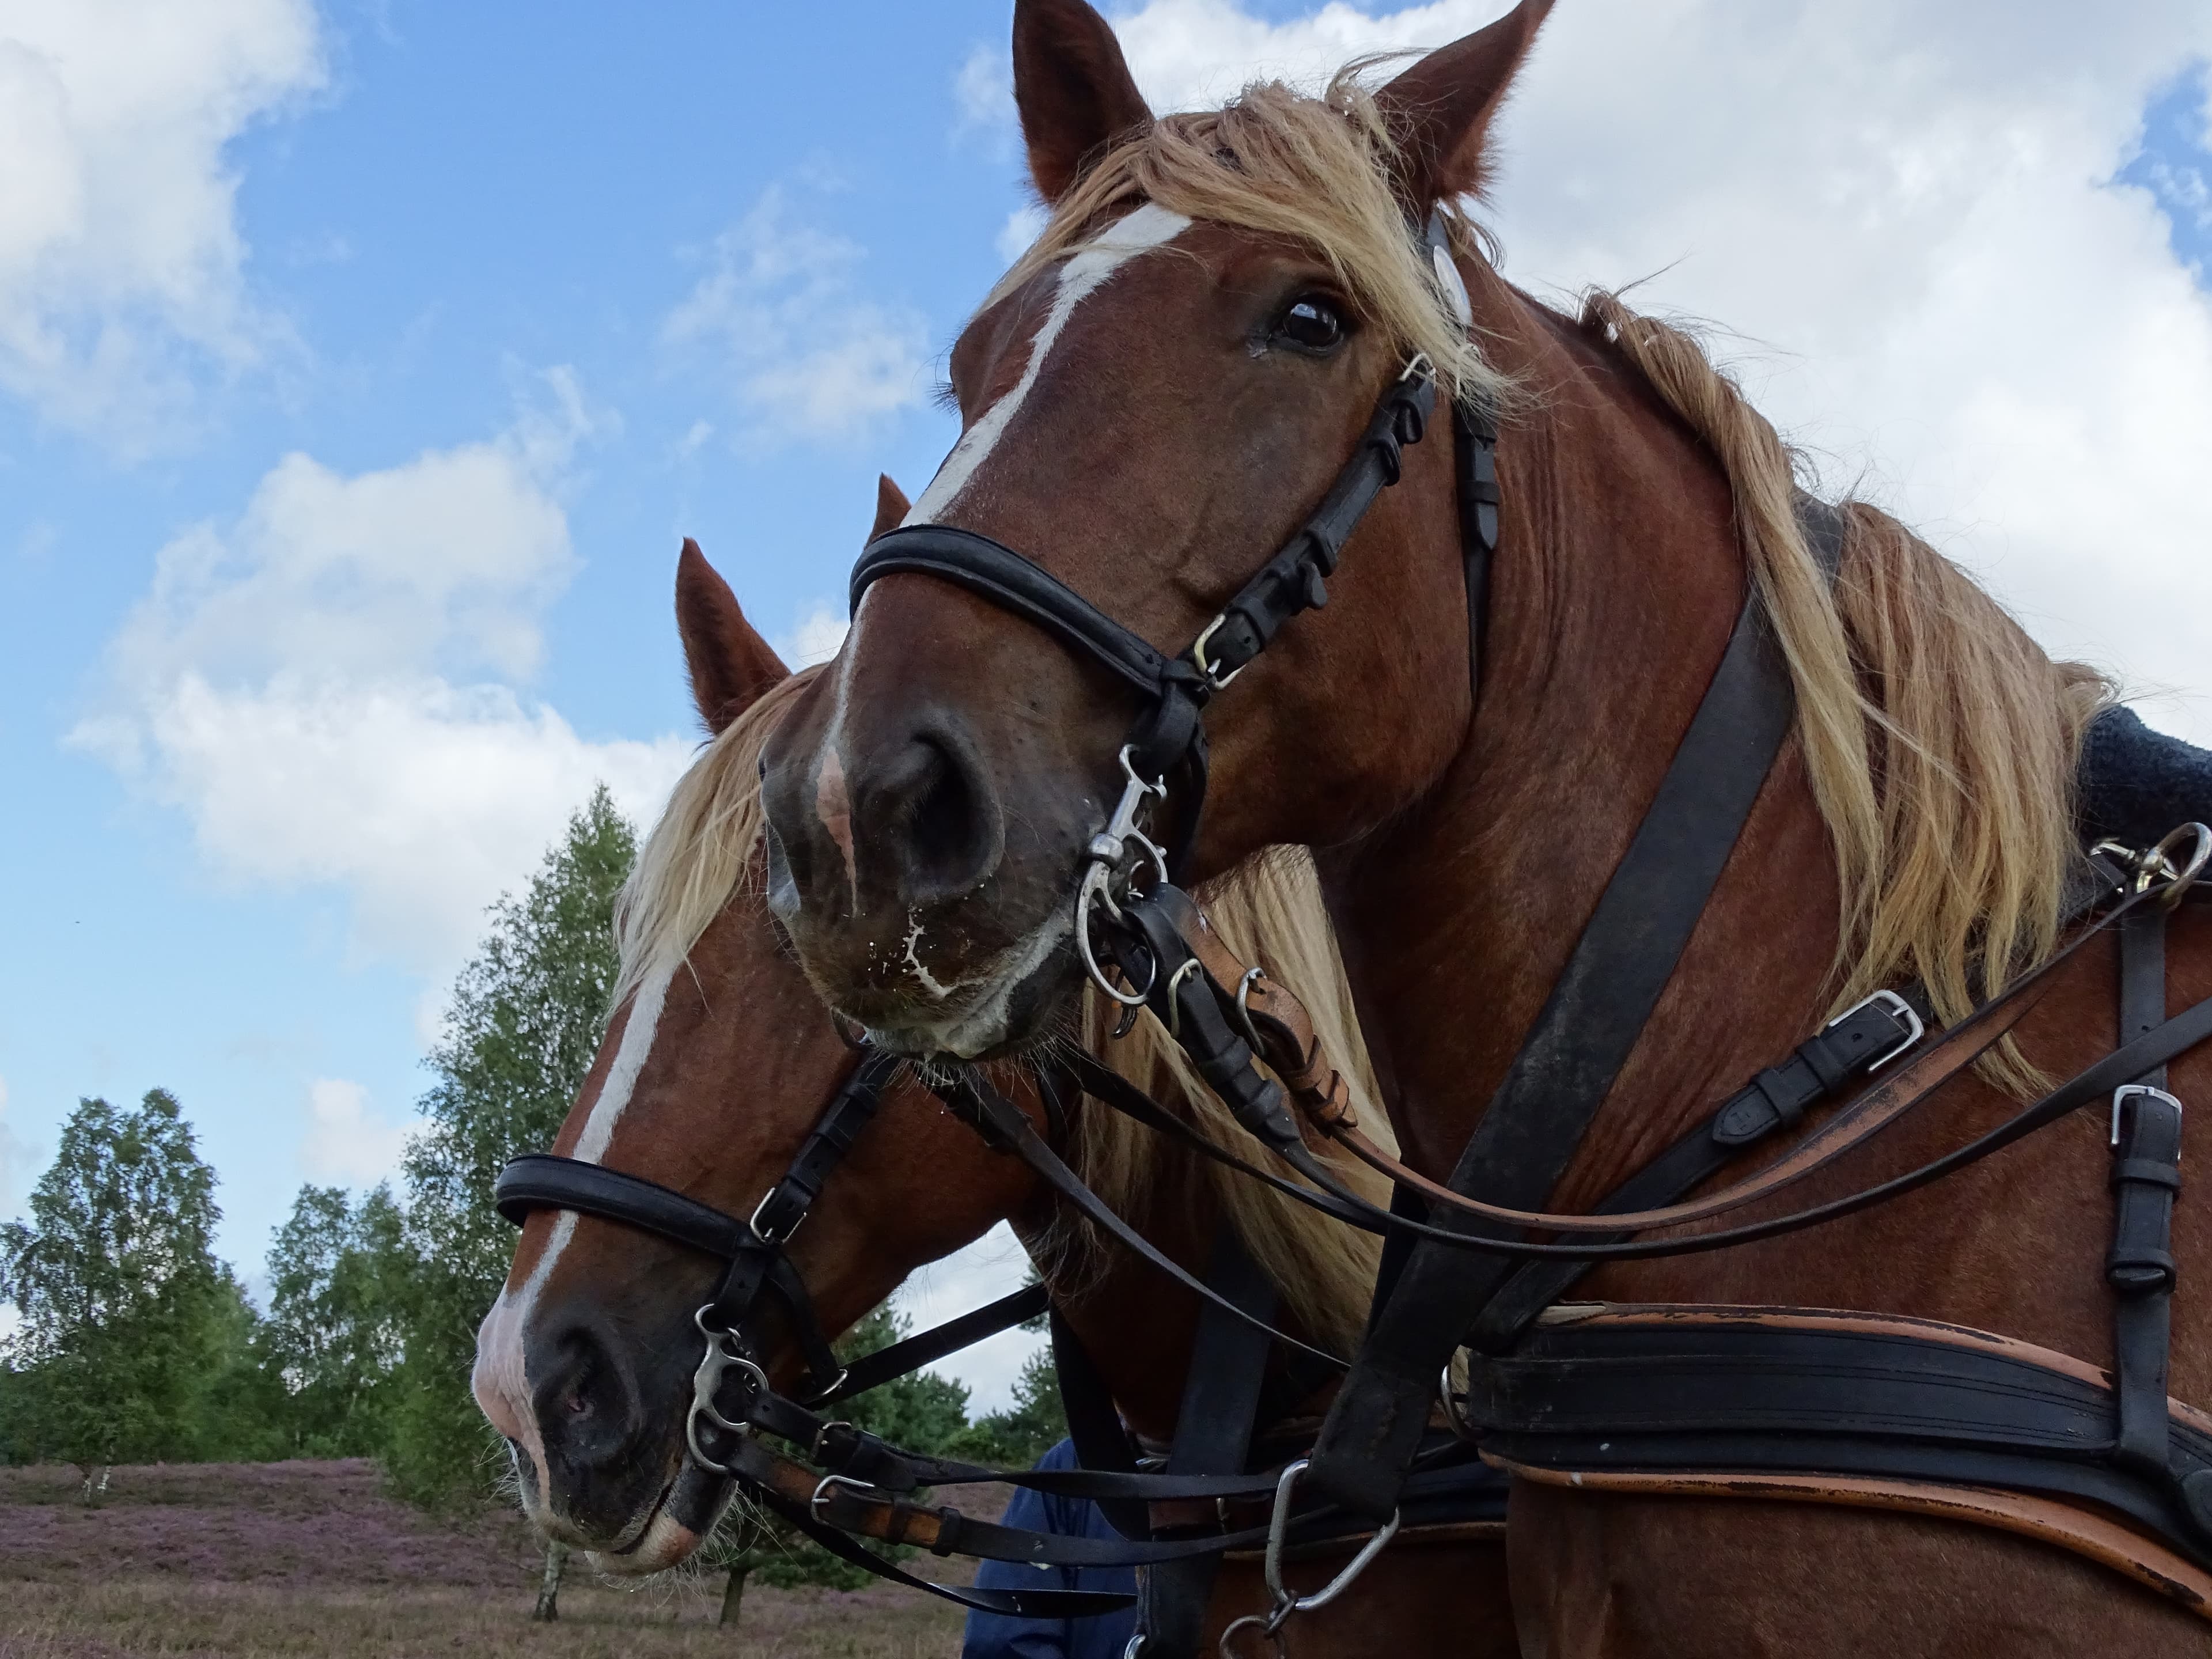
(1439, 110)
(1073, 89)
(731, 665)
(891, 506)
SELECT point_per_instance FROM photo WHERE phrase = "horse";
(715, 1066)
(1159, 394)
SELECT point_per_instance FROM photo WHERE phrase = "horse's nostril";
(577, 1406)
(940, 819)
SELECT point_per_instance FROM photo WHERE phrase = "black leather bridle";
(1166, 747)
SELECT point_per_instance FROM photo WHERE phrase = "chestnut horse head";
(1153, 398)
(717, 1063)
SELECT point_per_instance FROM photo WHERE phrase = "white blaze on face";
(500, 1384)
(1149, 227)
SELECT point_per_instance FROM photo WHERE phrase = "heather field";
(247, 1560)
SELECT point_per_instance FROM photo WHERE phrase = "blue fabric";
(994, 1636)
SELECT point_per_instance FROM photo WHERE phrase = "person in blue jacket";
(996, 1636)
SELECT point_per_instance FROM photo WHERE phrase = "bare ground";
(315, 1558)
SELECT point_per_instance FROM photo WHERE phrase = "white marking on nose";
(929, 982)
(501, 1378)
(1149, 227)
(834, 806)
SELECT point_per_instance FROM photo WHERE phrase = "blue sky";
(361, 365)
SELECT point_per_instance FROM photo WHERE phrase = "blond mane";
(703, 850)
(1316, 170)
(1940, 740)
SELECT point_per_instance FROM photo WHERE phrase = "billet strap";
(904, 1357)
(1213, 1436)
(1094, 1425)
(1674, 1389)
(2146, 1176)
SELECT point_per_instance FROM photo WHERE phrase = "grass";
(247, 1560)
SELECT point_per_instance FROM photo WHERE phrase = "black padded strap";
(997, 573)
(1583, 1036)
(1101, 1443)
(1711, 1390)
(1213, 1436)
(541, 1181)
(2146, 1134)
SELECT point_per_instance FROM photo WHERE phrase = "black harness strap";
(925, 1347)
(1590, 1022)
(1213, 1436)
(1101, 1443)
(2146, 1136)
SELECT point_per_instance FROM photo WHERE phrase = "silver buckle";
(2121, 1095)
(1198, 654)
(814, 1504)
(752, 1222)
(1915, 1029)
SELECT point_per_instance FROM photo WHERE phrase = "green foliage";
(125, 1309)
(341, 1294)
(524, 1022)
(1016, 1437)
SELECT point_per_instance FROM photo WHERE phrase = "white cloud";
(815, 637)
(121, 264)
(993, 1267)
(348, 1140)
(327, 688)
(1910, 210)
(14, 1160)
(1023, 227)
(778, 311)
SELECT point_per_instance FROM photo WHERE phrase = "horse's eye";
(1311, 324)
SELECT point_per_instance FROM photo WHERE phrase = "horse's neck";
(1616, 582)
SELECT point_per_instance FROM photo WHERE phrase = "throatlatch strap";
(1213, 1436)
(2146, 1137)
(1590, 1023)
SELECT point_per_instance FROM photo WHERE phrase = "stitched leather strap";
(2146, 1174)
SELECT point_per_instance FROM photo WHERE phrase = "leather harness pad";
(1688, 1390)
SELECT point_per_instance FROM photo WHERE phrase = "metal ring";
(1269, 1626)
(1198, 658)
(2179, 880)
(1279, 1526)
(1243, 1007)
(1174, 983)
(1454, 1416)
(828, 1389)
(1083, 947)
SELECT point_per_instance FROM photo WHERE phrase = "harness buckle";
(2127, 1092)
(1219, 682)
(814, 1504)
(753, 1222)
(1897, 1008)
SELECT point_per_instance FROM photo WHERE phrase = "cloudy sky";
(361, 365)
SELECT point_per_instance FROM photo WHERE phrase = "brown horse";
(717, 1063)
(1153, 399)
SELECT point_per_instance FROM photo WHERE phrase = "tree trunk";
(548, 1588)
(95, 1482)
(733, 1592)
